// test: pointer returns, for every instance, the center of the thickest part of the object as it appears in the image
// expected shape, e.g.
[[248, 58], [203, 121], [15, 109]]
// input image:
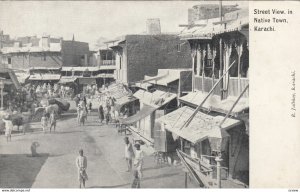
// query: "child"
[[44, 122], [136, 180]]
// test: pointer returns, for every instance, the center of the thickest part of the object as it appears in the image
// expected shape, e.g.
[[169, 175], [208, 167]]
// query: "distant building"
[[103, 56], [84, 76], [11, 84], [5, 40], [49, 52], [153, 26], [208, 11], [140, 55]]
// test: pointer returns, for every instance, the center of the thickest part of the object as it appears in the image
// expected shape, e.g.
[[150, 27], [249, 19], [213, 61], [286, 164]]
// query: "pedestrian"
[[138, 160], [90, 107], [52, 121], [107, 117], [82, 116], [84, 99], [85, 113], [129, 154], [8, 127], [44, 122], [136, 180], [76, 99], [81, 163], [79, 109], [101, 113]]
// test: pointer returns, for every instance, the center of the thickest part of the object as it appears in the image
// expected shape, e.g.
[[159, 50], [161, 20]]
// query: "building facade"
[[49, 52], [140, 55], [212, 125]]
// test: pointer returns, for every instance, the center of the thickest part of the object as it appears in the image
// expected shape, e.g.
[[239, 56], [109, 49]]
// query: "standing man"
[[81, 163], [52, 121], [138, 160], [129, 154]]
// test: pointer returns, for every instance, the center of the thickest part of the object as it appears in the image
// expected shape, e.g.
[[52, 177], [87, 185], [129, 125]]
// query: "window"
[[9, 60], [45, 57]]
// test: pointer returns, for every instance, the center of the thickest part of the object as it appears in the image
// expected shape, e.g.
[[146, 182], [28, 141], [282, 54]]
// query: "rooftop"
[[233, 21]]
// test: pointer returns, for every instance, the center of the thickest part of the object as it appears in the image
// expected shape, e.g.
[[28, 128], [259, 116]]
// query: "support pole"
[[1, 98], [185, 180], [221, 67], [218, 160], [185, 173]]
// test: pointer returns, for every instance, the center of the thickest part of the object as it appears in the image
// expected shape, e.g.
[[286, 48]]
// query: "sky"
[[90, 20]]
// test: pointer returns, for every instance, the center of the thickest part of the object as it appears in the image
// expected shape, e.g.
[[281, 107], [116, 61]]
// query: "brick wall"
[[148, 53], [73, 52]]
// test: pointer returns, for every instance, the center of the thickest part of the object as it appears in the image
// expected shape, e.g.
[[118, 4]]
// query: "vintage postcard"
[[149, 94]]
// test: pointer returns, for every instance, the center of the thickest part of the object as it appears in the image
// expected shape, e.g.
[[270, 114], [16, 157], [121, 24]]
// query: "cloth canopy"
[[202, 126], [44, 77], [65, 80], [144, 112], [87, 81], [155, 99], [215, 103], [122, 101]]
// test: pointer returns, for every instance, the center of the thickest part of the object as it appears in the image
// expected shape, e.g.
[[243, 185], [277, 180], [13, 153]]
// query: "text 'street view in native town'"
[[124, 94]]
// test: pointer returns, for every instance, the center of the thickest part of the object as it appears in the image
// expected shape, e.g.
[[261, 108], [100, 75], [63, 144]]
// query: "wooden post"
[[218, 160], [186, 180], [185, 173], [193, 71], [1, 98], [240, 51], [203, 52], [221, 67]]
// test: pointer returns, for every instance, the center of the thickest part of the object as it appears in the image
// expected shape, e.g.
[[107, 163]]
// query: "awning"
[[144, 112], [66, 79], [143, 85], [201, 127], [215, 103], [87, 81], [46, 77], [155, 99], [80, 69], [105, 75], [123, 100], [117, 91], [22, 77], [212, 27], [166, 76]]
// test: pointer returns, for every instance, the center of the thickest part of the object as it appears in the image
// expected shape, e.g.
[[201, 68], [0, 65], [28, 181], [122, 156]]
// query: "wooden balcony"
[[108, 62], [235, 85]]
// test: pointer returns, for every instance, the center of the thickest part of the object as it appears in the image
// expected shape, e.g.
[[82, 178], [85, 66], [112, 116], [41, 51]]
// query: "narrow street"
[[55, 167]]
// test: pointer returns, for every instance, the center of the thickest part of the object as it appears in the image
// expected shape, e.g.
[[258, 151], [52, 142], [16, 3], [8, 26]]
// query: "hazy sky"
[[92, 19]]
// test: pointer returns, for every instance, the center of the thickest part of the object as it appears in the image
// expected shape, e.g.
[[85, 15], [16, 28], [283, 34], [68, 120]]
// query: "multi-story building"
[[211, 128], [103, 56], [144, 54], [48, 53]]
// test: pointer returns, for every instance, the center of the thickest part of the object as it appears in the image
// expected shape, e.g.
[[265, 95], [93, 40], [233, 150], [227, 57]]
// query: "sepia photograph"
[[123, 94]]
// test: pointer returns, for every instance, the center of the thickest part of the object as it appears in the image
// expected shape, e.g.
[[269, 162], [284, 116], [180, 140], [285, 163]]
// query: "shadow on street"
[[20, 170]]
